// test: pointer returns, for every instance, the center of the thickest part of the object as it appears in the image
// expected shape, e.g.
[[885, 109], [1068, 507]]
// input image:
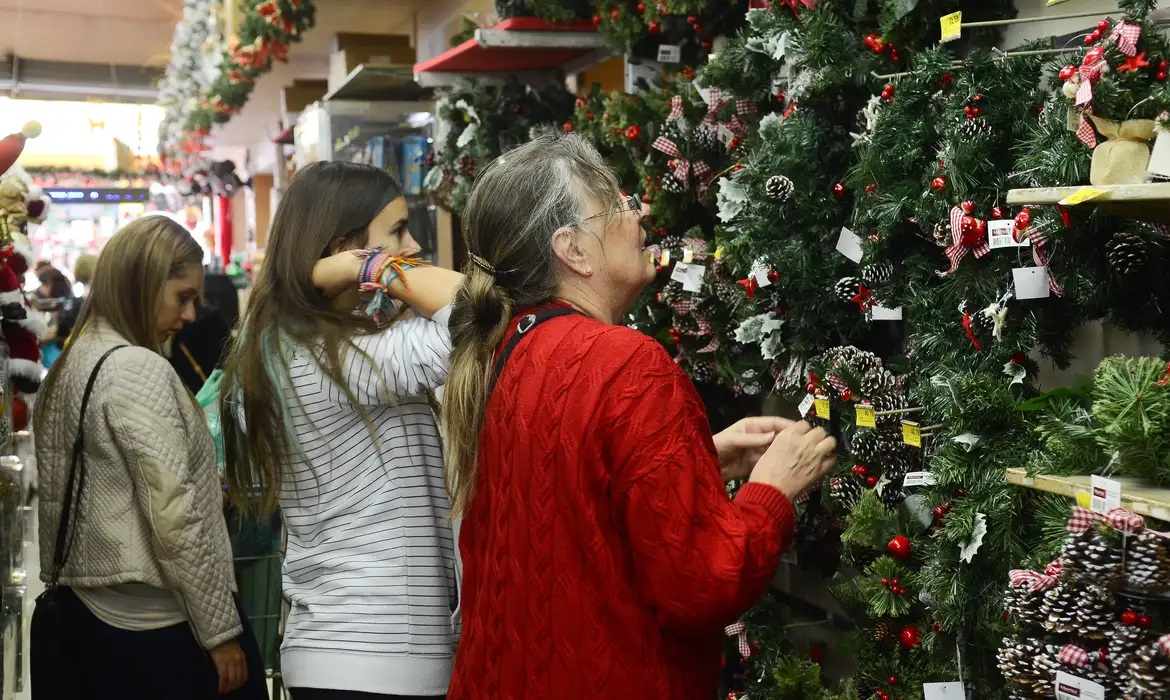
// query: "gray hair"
[[517, 204]]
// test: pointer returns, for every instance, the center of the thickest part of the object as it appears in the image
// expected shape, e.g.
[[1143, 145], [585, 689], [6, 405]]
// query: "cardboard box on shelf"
[[351, 50]]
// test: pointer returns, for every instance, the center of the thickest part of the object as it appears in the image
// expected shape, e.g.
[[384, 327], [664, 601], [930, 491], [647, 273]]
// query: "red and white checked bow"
[[739, 631], [1041, 257], [1092, 66], [698, 246], [1033, 581], [1126, 36], [957, 251], [715, 102], [680, 166], [837, 383], [676, 108], [1072, 655], [1119, 519], [1164, 645]]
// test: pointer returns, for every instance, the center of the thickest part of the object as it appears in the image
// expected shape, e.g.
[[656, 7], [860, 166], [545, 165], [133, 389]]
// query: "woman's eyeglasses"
[[629, 202]]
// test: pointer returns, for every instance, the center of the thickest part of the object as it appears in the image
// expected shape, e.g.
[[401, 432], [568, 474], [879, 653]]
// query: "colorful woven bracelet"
[[384, 270]]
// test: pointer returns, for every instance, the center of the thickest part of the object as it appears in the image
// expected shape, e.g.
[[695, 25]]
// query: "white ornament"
[[1069, 89], [731, 199]]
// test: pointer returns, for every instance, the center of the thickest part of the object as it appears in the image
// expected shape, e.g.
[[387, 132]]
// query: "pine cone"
[[942, 233], [1093, 555], [728, 293], [878, 273], [1126, 252], [1059, 608], [702, 372], [883, 629], [846, 288], [1124, 643], [705, 138], [1147, 567], [844, 490], [1149, 674], [672, 186], [877, 381], [778, 188]]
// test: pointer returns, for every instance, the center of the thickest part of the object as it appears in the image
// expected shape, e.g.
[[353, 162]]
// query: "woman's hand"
[[339, 273], [797, 459], [230, 665], [742, 445]]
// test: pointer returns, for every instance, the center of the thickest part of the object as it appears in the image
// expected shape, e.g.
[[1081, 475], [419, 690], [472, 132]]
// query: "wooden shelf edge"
[[1144, 500]]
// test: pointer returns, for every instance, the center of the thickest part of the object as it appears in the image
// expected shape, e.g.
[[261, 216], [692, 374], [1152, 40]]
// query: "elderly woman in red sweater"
[[601, 554]]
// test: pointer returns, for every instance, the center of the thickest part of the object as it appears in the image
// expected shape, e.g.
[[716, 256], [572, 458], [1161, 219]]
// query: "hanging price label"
[[688, 254], [865, 416], [911, 434], [806, 405], [1082, 195], [664, 259], [719, 253], [1106, 494], [822, 404], [952, 26]]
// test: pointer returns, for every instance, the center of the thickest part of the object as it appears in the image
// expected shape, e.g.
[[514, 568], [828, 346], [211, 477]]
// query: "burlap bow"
[[1124, 156]]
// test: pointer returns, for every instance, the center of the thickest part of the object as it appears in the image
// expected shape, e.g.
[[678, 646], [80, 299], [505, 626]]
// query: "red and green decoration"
[[266, 31], [639, 27]]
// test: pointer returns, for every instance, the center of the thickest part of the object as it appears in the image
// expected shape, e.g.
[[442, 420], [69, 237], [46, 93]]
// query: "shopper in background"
[[55, 292], [326, 411], [83, 277], [199, 349], [146, 589], [602, 556]]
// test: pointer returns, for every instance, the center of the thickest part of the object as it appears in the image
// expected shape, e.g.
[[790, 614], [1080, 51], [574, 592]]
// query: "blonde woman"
[[326, 412], [134, 549]]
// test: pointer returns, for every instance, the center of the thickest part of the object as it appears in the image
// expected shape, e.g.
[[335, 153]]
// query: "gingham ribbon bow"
[[682, 307], [837, 383], [1033, 581], [715, 102], [703, 330], [739, 631], [957, 251], [1164, 645], [698, 246], [680, 166], [1126, 36], [676, 108], [1119, 519], [1040, 256], [1092, 66], [1073, 655]]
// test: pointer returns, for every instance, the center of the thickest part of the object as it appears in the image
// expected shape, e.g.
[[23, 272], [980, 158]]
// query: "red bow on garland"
[[271, 13], [680, 166], [794, 5], [967, 233]]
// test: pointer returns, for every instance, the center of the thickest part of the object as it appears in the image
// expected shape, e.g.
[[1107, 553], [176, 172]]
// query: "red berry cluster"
[[1095, 35], [875, 43], [888, 92], [862, 471], [974, 107], [1131, 618], [895, 586]]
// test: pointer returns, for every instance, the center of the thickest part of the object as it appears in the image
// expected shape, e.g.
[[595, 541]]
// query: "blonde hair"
[[83, 268], [516, 205], [128, 283]]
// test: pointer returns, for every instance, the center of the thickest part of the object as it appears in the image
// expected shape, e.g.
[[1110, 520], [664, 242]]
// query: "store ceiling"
[[106, 49]]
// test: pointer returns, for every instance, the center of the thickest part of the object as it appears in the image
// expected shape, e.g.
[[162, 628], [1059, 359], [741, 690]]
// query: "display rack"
[[1143, 202], [375, 83], [1136, 496], [524, 47]]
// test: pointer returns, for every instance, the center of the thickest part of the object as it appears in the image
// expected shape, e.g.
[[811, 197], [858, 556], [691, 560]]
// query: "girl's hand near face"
[[339, 273]]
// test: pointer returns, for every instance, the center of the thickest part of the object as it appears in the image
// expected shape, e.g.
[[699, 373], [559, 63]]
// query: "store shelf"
[[378, 83], [523, 45], [1135, 496], [1144, 202]]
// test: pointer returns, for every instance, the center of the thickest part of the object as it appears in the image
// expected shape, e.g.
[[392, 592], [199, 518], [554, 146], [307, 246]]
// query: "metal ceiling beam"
[[59, 80]]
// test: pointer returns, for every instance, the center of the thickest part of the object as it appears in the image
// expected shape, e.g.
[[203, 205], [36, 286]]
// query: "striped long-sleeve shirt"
[[370, 569]]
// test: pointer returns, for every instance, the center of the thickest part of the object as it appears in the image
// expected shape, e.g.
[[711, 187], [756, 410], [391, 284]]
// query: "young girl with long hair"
[[326, 412], [133, 543]]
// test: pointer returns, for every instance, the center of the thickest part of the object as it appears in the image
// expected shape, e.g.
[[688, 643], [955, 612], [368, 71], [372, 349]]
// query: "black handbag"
[[51, 671]]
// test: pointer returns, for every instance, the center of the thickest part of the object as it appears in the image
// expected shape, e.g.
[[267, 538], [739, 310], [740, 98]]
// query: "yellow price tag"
[[1082, 195], [1084, 499], [719, 250], [664, 259], [952, 26], [688, 255], [911, 434], [865, 416], [822, 405]]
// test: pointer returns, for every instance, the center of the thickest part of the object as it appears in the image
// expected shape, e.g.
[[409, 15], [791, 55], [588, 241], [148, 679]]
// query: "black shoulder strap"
[[76, 479], [522, 329]]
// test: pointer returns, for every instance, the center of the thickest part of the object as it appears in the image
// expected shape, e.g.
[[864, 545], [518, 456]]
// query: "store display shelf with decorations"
[[1143, 201], [371, 83], [1142, 499], [522, 46]]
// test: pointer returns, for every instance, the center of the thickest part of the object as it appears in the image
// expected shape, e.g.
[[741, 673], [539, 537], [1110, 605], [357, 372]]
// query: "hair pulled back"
[[518, 202]]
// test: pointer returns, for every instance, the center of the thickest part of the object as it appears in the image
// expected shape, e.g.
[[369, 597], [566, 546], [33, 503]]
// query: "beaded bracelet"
[[377, 275]]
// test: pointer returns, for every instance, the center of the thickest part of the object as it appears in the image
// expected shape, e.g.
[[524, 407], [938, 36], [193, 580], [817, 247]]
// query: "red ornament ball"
[[910, 637], [1092, 38], [1129, 618], [597, 19], [633, 131], [1103, 26], [1144, 621], [846, 395], [886, 582], [960, 492], [1023, 219], [938, 184], [899, 547], [1067, 72], [967, 206], [940, 512], [568, 127], [893, 680], [896, 582], [641, 7], [773, 276], [1161, 75], [871, 481], [839, 190]]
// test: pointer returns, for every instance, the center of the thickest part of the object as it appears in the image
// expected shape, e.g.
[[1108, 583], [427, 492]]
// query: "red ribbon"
[[970, 331]]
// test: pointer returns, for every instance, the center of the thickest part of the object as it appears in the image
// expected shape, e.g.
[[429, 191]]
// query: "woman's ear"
[[569, 251], [337, 245]]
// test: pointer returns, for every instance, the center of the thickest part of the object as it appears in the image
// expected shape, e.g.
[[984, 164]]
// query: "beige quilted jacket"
[[152, 508]]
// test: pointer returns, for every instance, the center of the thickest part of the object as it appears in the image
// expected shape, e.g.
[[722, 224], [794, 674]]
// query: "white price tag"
[[849, 245], [805, 405], [690, 276], [1160, 157], [881, 313], [918, 479], [1000, 234], [1106, 494], [943, 691], [1031, 282], [688, 254], [761, 275], [1070, 687], [669, 53]]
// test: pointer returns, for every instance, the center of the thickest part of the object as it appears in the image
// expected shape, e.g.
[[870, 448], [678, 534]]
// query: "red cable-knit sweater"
[[602, 557]]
